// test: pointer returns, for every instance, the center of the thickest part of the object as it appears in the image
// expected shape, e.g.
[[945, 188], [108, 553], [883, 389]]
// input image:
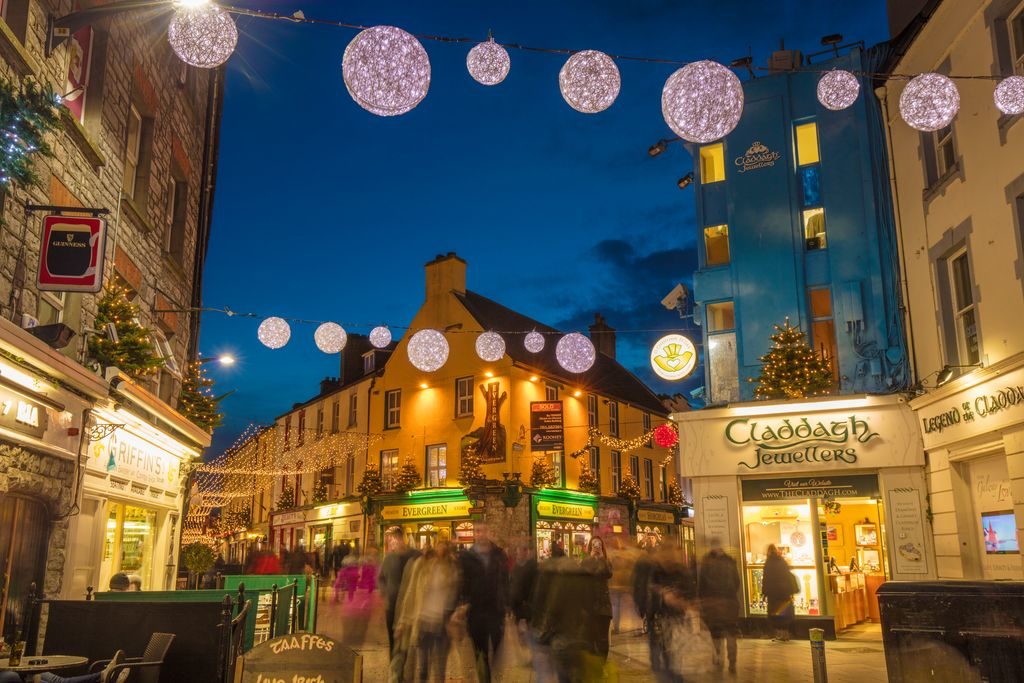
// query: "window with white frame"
[[591, 410], [353, 409], [647, 429], [463, 396], [613, 418], [945, 152], [319, 421], [634, 467], [392, 409], [335, 417], [437, 465], [132, 150], [595, 464], [164, 351], [558, 465], [648, 479], [389, 468], [964, 314], [350, 475], [177, 211], [1016, 25], [368, 362], [51, 307], [301, 435], [550, 392], [287, 432], [616, 471], [722, 363]]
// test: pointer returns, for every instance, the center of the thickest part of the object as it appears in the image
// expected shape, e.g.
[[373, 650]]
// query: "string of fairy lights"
[[387, 72]]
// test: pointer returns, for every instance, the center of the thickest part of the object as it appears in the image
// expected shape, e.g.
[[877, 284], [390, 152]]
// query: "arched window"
[[23, 532]]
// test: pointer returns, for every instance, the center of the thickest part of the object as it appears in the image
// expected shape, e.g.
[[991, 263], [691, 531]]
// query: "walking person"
[[621, 584], [522, 586], [597, 570], [779, 586], [425, 606], [641, 586], [671, 588], [718, 588], [390, 579], [560, 619], [485, 589]]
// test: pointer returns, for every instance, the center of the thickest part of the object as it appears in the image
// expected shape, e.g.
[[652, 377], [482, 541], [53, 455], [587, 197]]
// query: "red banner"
[[80, 51]]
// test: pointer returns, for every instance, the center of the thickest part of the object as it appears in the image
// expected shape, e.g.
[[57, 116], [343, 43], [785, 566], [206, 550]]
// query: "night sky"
[[325, 211]]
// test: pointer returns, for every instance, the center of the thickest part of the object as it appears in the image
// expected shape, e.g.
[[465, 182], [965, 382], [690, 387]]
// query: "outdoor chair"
[[144, 669]]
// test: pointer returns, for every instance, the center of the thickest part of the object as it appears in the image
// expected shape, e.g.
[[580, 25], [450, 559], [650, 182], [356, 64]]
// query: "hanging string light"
[[702, 102], [380, 337], [589, 81], [204, 36], [428, 350], [488, 63], [534, 342], [386, 70], [838, 89], [490, 346], [929, 102], [575, 353], [1009, 95], [274, 332], [330, 337]]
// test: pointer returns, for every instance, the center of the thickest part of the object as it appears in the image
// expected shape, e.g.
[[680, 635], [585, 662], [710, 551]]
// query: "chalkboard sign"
[[301, 658]]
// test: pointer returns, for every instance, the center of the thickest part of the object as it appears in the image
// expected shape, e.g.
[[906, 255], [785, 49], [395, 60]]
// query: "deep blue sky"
[[326, 211]]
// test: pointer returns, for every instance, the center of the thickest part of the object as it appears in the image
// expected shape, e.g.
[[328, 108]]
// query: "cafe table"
[[30, 667]]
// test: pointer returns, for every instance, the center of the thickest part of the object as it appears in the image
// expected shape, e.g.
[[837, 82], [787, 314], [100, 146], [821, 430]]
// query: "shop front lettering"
[[757, 156], [564, 510], [806, 455], [982, 406], [790, 433], [425, 510]]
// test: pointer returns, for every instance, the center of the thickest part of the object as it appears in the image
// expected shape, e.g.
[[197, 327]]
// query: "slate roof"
[[606, 377]]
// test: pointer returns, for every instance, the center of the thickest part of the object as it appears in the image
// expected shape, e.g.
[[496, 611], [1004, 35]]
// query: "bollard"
[[818, 655]]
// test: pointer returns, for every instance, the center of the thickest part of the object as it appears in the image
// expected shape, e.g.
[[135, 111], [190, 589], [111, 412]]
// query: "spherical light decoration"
[[575, 352], [490, 346], [380, 337], [589, 81], [203, 36], [702, 101], [386, 70], [488, 63], [1009, 95], [428, 350], [274, 332], [666, 436], [838, 89], [534, 342], [929, 102], [330, 337]]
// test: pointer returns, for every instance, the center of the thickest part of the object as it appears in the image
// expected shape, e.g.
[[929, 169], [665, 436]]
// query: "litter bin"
[[953, 631]]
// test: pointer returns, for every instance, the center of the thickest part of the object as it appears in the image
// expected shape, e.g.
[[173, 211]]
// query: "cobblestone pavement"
[[855, 657]]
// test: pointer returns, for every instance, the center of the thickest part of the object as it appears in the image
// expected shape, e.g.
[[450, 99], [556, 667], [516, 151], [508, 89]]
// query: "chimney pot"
[[603, 336]]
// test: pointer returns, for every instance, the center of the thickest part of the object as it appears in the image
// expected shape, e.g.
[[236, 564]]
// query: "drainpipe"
[[369, 404]]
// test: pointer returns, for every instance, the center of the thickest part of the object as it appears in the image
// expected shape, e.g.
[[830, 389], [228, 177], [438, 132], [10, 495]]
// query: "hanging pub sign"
[[546, 432], [71, 254]]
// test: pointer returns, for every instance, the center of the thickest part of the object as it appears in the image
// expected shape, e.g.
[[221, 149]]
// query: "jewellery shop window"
[[790, 529]]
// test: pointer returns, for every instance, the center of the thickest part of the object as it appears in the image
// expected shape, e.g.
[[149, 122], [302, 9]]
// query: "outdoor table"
[[44, 663]]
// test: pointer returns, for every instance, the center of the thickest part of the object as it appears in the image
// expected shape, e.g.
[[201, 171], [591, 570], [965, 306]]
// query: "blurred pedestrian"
[[485, 589], [561, 628], [360, 591], [425, 605], [346, 581], [597, 570], [778, 587], [641, 585], [392, 568], [621, 583], [718, 587], [671, 588]]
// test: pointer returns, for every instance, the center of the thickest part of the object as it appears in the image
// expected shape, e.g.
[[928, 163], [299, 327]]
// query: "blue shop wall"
[[770, 269]]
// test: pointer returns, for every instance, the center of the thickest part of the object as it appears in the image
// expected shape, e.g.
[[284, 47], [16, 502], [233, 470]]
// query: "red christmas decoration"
[[666, 436]]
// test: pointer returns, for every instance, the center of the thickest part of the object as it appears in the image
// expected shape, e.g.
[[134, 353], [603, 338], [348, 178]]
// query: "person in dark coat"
[[597, 570], [561, 620], [392, 567], [778, 586], [671, 588], [718, 588], [641, 585], [485, 589]]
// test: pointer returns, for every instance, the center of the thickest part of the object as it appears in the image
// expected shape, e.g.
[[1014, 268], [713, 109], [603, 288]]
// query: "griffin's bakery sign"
[[757, 156], [828, 441], [987, 406]]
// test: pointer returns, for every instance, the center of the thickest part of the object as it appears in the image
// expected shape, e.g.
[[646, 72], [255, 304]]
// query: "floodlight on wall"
[[946, 373], [685, 181], [660, 146], [744, 63]]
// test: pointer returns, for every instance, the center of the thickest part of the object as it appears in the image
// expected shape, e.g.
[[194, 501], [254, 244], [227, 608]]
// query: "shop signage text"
[[757, 156], [546, 508], [789, 488], [800, 440], [452, 508], [289, 518], [71, 255], [299, 658], [656, 516], [337, 510], [980, 407], [21, 414], [126, 455], [546, 428]]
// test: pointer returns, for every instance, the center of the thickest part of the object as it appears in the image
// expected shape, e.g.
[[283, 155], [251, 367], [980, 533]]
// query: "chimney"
[[446, 273], [352, 358], [328, 384], [603, 336]]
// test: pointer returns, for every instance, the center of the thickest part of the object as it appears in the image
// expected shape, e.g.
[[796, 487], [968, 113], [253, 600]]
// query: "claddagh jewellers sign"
[[815, 442]]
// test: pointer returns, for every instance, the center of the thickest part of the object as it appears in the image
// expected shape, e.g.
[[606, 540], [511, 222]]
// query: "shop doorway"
[[572, 536], [128, 544], [23, 532]]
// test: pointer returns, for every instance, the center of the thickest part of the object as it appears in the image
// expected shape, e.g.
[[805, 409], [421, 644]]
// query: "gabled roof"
[[606, 377]]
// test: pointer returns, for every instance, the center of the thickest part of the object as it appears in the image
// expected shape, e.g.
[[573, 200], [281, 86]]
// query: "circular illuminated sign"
[[673, 357]]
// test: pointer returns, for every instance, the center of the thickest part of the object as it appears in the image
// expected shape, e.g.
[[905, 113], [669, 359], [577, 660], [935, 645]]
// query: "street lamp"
[[223, 359], [946, 373]]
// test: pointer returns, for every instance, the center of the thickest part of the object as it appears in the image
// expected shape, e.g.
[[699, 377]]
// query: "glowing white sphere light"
[[380, 337], [428, 350], [534, 342], [702, 102], [575, 352], [589, 81], [838, 89], [274, 332], [203, 35], [929, 102], [386, 70], [1009, 95], [330, 337], [488, 63], [490, 346]]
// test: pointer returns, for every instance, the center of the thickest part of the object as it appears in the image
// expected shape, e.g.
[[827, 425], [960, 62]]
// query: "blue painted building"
[[794, 219]]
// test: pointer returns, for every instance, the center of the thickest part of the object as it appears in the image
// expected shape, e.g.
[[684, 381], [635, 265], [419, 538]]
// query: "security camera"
[[676, 299]]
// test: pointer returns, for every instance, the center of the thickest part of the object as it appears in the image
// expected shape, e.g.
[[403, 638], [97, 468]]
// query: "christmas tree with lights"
[[470, 470], [319, 491], [630, 489], [28, 113], [287, 499], [542, 474], [588, 482], [371, 484], [133, 353], [409, 477], [675, 494], [791, 368], [196, 401]]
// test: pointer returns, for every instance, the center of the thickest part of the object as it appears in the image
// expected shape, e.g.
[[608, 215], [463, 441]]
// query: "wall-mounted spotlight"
[[685, 181]]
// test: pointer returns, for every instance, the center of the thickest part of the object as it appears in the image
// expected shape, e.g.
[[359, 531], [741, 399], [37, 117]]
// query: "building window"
[[301, 436], [720, 317], [634, 467], [808, 161], [353, 409], [823, 328], [335, 417], [319, 422], [51, 307], [712, 163], [350, 475], [648, 479], [647, 429], [716, 245], [368, 362], [437, 465], [165, 386], [1017, 41], [392, 409], [613, 418], [15, 14], [807, 144], [550, 392], [163, 350], [663, 479], [138, 142], [287, 432], [963, 309], [616, 471], [595, 465], [814, 228], [591, 410], [558, 465], [722, 365], [945, 153], [389, 468], [178, 210], [463, 396]]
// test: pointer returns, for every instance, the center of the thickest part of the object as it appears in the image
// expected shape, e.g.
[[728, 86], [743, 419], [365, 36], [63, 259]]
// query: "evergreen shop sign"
[[804, 440]]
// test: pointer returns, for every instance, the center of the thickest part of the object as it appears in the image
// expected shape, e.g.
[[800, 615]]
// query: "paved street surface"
[[856, 657]]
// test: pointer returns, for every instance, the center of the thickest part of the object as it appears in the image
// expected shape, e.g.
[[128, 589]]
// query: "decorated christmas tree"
[[629, 489], [409, 477], [287, 499], [133, 353], [371, 484], [791, 368], [588, 479], [319, 491], [470, 471], [28, 113], [542, 474], [196, 401], [675, 494]]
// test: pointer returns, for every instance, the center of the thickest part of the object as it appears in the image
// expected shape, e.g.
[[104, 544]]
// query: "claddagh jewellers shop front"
[[836, 485]]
